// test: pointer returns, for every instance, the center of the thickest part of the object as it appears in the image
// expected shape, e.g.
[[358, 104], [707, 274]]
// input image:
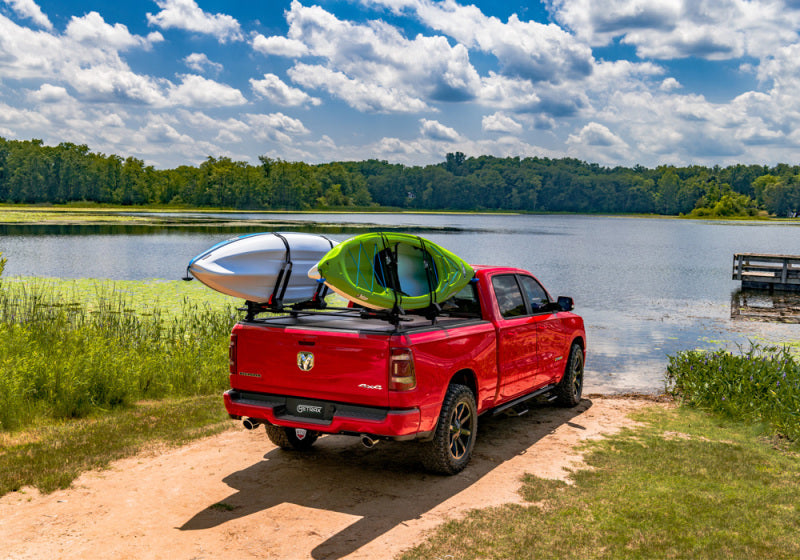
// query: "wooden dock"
[[767, 272], [752, 305]]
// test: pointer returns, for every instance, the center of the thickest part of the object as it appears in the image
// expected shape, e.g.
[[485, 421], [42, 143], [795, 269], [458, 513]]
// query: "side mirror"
[[566, 303]]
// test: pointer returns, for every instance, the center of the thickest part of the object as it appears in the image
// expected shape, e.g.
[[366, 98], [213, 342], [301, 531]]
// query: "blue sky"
[[616, 82]]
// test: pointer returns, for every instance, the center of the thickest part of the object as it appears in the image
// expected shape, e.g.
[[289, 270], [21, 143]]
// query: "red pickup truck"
[[498, 343]]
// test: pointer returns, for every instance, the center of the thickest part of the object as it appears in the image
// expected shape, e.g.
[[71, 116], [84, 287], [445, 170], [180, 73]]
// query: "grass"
[[685, 485], [69, 352], [93, 371], [718, 477], [65, 214], [761, 384]]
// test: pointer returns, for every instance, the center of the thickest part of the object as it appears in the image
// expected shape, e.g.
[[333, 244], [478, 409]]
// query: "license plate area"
[[305, 408]]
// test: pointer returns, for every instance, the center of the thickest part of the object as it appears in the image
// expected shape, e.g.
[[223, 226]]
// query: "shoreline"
[[88, 215]]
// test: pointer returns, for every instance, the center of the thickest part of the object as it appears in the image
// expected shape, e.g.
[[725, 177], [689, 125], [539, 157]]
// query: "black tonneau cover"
[[352, 321]]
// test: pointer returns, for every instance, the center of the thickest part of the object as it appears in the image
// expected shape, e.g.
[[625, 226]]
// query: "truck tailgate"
[[334, 365]]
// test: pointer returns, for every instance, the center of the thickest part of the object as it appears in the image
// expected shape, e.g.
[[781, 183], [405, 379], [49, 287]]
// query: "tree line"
[[31, 172]]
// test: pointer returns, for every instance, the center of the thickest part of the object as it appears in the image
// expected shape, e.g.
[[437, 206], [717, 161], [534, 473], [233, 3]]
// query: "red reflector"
[[232, 354]]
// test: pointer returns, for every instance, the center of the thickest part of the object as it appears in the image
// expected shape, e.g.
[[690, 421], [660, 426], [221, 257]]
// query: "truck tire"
[[454, 438], [288, 438], [569, 389]]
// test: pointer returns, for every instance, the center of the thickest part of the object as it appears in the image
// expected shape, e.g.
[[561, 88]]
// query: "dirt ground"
[[236, 496]]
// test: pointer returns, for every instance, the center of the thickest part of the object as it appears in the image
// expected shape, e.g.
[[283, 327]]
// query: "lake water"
[[647, 288]]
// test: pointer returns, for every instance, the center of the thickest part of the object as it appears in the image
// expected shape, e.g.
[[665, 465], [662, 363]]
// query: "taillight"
[[401, 370], [232, 354]]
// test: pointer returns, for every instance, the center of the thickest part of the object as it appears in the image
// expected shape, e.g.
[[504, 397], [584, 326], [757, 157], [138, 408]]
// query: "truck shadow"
[[383, 487]]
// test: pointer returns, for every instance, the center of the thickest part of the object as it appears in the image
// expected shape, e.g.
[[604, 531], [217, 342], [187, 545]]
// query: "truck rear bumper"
[[323, 416]]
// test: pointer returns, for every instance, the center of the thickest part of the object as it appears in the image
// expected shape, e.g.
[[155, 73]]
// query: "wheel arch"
[[580, 342], [467, 378]]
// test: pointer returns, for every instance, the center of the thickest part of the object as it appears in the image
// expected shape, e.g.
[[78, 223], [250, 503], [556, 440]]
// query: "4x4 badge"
[[305, 360]]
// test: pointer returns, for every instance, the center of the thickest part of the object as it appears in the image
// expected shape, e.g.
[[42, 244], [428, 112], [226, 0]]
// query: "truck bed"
[[353, 322]]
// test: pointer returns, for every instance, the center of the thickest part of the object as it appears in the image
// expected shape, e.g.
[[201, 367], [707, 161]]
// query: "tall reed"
[[761, 384], [67, 355]]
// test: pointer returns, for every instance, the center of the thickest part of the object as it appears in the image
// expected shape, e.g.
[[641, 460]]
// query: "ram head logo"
[[305, 360]]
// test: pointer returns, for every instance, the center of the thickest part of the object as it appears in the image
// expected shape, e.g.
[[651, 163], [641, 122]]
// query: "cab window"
[[509, 297], [535, 292]]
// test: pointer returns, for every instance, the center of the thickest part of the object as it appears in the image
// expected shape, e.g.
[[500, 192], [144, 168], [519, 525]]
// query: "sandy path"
[[340, 500]]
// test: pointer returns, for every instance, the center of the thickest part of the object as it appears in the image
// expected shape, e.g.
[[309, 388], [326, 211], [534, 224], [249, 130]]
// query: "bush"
[[759, 385]]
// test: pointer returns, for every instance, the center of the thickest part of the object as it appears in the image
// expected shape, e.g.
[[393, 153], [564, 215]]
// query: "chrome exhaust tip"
[[368, 441], [251, 423]]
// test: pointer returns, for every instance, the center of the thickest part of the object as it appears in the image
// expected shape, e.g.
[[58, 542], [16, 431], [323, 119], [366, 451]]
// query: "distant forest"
[[31, 172]]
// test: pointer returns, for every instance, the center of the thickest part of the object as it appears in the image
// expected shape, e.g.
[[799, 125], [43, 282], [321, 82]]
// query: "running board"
[[524, 398]]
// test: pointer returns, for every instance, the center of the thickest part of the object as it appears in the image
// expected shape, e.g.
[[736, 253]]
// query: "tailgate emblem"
[[305, 360]]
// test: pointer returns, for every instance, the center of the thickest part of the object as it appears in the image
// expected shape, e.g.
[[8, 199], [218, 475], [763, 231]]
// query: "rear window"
[[509, 298], [463, 304]]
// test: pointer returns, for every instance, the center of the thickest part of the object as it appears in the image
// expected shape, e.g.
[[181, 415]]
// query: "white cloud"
[[229, 131], [523, 96], [395, 148], [200, 63], [595, 142], [275, 90], [30, 10], [197, 91], [435, 130], [665, 29], [227, 137], [363, 96], [93, 30], [48, 93], [669, 84], [25, 53], [594, 134], [526, 49], [279, 46], [187, 15], [86, 57], [21, 118], [375, 67], [521, 104], [500, 122], [275, 127], [660, 127], [160, 132], [199, 120], [110, 120], [116, 83]]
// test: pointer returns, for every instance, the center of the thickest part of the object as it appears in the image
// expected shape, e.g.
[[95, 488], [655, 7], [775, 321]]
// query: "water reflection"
[[760, 305]]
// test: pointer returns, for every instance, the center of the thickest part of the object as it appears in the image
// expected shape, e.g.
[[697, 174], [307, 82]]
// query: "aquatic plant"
[[68, 354], [760, 384]]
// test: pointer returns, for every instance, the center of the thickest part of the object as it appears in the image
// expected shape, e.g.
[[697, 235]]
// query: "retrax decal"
[[302, 408]]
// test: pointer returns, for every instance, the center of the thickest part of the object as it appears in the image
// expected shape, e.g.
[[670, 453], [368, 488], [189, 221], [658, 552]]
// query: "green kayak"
[[387, 270]]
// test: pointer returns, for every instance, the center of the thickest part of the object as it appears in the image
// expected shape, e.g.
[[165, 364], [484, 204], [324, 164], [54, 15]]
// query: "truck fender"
[[464, 377]]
